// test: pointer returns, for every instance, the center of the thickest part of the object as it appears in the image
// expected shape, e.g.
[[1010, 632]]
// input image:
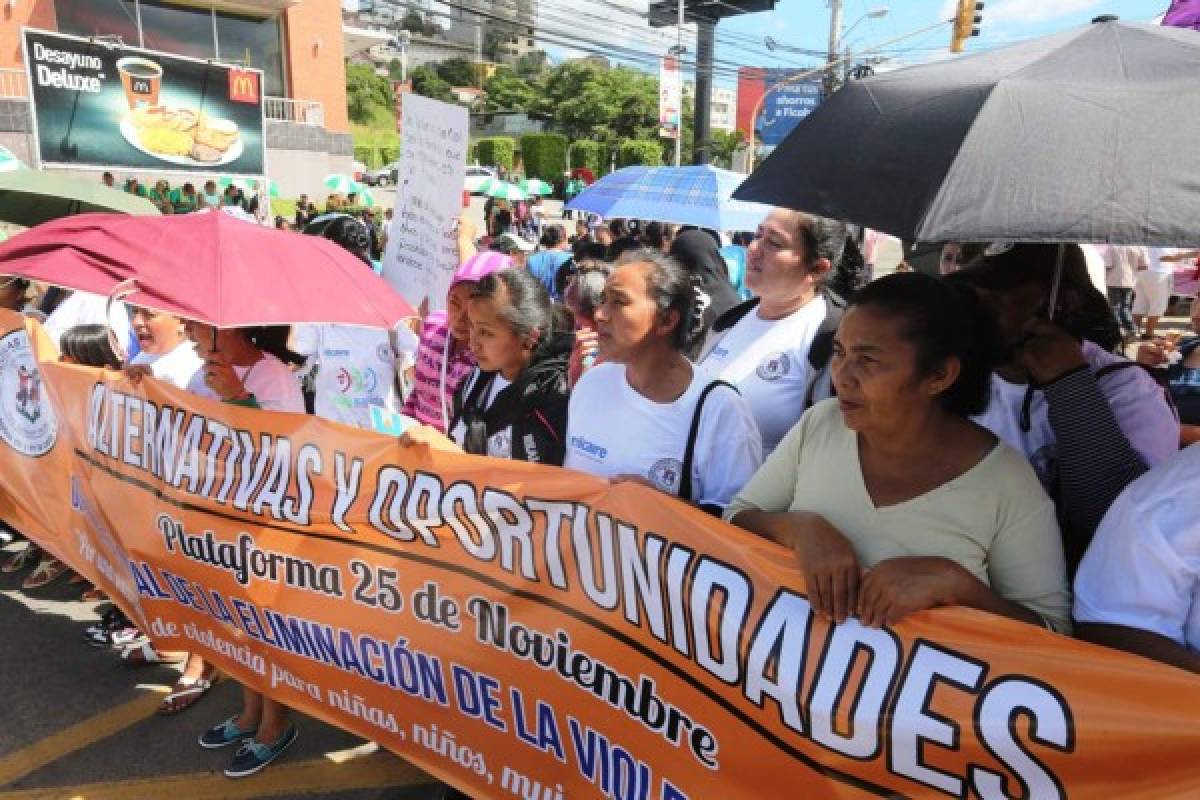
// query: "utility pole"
[[679, 72], [706, 40], [835, 45]]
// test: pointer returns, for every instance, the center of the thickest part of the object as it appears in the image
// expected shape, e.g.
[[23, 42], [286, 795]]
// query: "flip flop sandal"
[[185, 694], [21, 559], [143, 653], [46, 572]]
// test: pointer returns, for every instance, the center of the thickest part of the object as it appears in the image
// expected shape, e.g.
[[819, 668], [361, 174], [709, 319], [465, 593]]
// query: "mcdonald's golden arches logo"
[[243, 86]]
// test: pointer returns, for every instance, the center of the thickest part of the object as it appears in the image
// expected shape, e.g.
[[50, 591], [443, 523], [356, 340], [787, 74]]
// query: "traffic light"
[[966, 23]]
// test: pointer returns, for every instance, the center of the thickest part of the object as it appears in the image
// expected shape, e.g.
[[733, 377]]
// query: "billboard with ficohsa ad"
[[97, 105]]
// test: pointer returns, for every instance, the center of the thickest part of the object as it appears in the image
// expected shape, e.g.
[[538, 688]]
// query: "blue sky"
[[805, 24]]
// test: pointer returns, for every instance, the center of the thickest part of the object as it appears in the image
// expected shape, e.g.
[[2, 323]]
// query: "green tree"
[[724, 145], [426, 83], [457, 72], [507, 92], [413, 21], [589, 101], [396, 69], [532, 66], [366, 92]]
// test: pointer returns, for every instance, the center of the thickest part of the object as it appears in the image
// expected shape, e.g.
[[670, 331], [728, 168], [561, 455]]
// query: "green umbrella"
[[240, 183], [363, 195], [502, 190], [535, 186], [9, 162], [273, 189], [340, 184], [30, 197]]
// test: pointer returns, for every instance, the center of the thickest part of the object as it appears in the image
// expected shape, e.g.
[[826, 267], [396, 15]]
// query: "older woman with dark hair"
[[893, 500], [774, 347], [1090, 421], [647, 414]]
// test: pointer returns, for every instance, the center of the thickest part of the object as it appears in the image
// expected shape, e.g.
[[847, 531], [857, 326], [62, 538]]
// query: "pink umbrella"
[[206, 267]]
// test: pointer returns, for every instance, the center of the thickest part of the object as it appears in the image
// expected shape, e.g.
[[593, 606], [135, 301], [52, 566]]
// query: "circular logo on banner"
[[666, 474], [27, 422], [774, 367], [384, 353]]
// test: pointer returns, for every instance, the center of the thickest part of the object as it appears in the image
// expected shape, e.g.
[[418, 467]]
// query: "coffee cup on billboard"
[[142, 79]]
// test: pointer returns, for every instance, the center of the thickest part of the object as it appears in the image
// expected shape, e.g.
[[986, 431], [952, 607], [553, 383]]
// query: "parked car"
[[384, 176], [476, 175], [358, 169]]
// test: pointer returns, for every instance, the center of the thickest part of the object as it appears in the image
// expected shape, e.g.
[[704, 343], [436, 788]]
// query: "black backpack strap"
[[820, 353], [689, 451]]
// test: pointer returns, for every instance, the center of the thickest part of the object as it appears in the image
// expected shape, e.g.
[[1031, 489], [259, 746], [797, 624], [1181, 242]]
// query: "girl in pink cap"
[[443, 359]]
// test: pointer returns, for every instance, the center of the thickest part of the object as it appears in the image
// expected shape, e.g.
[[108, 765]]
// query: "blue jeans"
[[1121, 300]]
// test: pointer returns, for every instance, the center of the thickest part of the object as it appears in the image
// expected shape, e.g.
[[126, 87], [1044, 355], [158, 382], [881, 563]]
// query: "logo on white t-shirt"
[[666, 473], [774, 367], [587, 448], [27, 421]]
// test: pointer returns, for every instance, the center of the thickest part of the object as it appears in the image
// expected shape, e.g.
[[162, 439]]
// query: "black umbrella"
[[1082, 136]]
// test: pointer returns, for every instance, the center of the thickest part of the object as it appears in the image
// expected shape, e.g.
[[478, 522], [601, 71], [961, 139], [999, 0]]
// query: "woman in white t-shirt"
[[762, 346], [631, 418], [247, 366], [164, 349]]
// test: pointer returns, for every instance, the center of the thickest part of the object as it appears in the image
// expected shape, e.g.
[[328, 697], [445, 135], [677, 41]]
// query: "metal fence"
[[302, 112], [13, 84]]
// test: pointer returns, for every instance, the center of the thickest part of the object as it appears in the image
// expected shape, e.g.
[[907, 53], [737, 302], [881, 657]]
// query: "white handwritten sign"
[[422, 251]]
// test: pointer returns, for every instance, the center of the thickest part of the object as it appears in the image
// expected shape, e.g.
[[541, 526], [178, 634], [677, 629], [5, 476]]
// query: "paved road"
[[78, 724]]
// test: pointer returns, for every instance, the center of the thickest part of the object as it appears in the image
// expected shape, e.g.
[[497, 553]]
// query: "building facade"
[[300, 45], [722, 109]]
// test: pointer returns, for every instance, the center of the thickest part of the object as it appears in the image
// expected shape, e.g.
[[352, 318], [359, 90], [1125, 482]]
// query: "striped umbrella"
[[535, 186], [9, 162], [502, 190], [340, 184], [240, 183], [363, 195]]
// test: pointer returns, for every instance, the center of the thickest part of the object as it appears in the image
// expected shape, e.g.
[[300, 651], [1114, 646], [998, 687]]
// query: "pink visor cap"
[[479, 266]]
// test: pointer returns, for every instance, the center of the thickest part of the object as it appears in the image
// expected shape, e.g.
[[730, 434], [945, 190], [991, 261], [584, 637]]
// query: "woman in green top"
[[893, 500]]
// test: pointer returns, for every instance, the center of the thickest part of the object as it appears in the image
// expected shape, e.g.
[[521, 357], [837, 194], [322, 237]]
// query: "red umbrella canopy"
[[207, 267]]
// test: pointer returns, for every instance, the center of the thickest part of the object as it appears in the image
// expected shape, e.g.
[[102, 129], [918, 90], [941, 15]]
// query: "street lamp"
[[874, 13]]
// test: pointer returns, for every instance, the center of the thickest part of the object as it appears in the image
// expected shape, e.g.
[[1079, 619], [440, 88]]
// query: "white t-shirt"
[[177, 367], [82, 308], [356, 370], [499, 444], [1142, 569], [1155, 255], [613, 430], [272, 383], [768, 361]]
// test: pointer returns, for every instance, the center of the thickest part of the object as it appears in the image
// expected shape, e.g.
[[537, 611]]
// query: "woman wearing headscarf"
[[700, 255]]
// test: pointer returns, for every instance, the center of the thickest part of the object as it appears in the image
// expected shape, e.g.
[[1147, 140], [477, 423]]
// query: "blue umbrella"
[[685, 195]]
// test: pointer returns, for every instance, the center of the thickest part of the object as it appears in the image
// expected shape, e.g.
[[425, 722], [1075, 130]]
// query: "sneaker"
[[224, 734], [253, 755], [123, 637]]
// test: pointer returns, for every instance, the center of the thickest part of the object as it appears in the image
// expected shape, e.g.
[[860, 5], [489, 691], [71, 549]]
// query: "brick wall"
[[318, 72], [35, 14]]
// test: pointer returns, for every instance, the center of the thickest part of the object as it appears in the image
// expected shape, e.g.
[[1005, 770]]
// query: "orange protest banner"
[[529, 632]]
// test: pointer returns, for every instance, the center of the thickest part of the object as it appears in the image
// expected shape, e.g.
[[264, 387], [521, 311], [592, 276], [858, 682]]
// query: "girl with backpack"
[[514, 403]]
